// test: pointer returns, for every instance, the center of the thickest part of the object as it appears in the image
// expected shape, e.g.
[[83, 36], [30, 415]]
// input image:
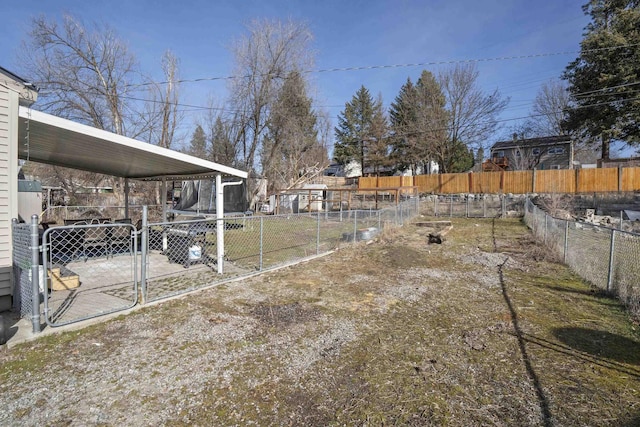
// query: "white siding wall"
[[8, 187]]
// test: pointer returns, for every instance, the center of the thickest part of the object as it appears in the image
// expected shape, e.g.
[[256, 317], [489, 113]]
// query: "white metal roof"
[[57, 141]]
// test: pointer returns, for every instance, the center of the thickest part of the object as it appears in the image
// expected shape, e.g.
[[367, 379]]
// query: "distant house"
[[551, 152], [349, 170]]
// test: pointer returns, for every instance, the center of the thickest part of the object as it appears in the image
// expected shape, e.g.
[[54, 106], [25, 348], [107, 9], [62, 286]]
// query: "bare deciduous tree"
[[86, 75], [549, 109], [472, 113], [163, 107], [264, 58]]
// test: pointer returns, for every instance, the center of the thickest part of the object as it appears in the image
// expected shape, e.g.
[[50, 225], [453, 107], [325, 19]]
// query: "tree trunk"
[[606, 142]]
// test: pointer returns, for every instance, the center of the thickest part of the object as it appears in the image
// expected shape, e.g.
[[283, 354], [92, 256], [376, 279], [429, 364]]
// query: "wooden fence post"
[[470, 189], [533, 181], [619, 179]]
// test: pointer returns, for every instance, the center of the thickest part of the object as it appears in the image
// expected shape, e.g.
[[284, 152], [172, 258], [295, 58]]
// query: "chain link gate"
[[91, 270]]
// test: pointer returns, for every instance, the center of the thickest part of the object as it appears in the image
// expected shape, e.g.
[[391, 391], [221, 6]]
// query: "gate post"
[[143, 255], [35, 275]]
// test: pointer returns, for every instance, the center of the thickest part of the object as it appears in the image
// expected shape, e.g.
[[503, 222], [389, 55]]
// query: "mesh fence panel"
[[588, 252], [285, 238], [555, 234], [21, 234], [58, 214], [626, 269], [180, 256], [471, 206], [91, 271], [605, 257]]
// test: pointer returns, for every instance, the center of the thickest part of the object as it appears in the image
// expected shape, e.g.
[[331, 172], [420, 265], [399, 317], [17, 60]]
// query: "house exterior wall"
[[9, 101], [548, 157]]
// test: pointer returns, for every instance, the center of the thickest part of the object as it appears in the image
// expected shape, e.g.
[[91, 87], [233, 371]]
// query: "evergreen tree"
[[198, 144], [604, 78], [403, 118], [418, 119], [291, 149], [459, 158], [377, 147], [222, 149], [354, 128]]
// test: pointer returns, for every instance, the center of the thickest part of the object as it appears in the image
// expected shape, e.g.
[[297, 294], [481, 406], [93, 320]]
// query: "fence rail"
[[516, 182], [605, 257]]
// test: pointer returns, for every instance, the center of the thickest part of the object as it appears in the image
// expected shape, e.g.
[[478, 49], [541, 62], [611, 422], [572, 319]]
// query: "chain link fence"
[[181, 256], [102, 266], [60, 214], [474, 205], [21, 234], [605, 257]]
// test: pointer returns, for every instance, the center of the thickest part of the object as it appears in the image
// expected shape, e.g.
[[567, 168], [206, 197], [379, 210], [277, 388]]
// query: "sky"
[[544, 36]]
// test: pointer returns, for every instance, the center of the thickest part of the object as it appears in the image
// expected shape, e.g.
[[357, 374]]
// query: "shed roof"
[[57, 141]]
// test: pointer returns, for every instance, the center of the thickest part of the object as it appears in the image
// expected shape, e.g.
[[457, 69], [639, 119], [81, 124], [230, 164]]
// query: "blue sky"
[[346, 34]]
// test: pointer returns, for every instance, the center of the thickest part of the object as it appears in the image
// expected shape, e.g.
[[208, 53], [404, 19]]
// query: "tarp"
[[200, 196]]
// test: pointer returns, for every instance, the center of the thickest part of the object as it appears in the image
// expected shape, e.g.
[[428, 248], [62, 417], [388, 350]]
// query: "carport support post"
[[126, 197], [35, 275], [219, 223], [163, 198], [220, 219]]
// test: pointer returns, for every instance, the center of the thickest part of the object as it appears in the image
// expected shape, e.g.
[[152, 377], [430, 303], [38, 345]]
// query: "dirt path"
[[484, 329]]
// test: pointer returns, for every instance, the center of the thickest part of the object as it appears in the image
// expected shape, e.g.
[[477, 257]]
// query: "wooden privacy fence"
[[517, 182]]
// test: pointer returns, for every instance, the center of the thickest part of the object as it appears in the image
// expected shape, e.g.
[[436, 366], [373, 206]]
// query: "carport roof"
[[57, 141]]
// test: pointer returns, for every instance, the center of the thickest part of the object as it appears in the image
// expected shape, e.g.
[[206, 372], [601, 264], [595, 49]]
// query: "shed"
[[310, 197]]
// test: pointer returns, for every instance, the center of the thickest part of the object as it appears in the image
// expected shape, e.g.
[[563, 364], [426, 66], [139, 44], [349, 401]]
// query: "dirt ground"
[[483, 329]]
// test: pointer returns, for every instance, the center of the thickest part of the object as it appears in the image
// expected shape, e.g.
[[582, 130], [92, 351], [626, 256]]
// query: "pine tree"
[[354, 129], [291, 149], [377, 147], [198, 144], [222, 149], [604, 78], [418, 119]]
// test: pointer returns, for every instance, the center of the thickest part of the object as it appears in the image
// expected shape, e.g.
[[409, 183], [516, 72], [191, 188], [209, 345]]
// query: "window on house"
[[556, 150], [518, 153], [535, 151], [499, 154]]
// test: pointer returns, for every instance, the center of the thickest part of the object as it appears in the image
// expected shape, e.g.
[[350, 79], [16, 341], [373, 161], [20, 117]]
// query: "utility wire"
[[390, 66]]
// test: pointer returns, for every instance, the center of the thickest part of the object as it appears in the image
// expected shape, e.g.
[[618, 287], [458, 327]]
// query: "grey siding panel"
[[6, 171]]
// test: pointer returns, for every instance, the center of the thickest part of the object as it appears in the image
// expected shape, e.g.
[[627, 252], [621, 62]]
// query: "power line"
[[391, 66], [607, 88]]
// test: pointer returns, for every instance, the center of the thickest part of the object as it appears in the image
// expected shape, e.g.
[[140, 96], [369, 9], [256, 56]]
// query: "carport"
[[56, 141]]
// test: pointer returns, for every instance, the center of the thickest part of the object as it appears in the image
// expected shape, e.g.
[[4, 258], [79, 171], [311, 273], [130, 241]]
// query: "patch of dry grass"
[[484, 329]]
